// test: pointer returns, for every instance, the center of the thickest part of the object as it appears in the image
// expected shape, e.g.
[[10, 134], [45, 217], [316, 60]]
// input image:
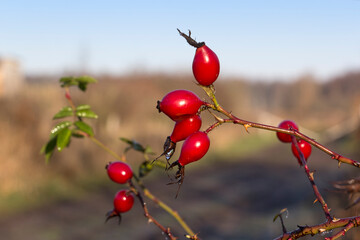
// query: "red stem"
[[310, 176], [293, 132]]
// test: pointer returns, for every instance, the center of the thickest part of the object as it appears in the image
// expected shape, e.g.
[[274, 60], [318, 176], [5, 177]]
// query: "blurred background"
[[296, 60]]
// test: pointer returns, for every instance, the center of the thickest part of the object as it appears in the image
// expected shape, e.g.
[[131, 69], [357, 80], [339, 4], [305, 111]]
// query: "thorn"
[[217, 118], [339, 163], [311, 174], [315, 201], [246, 126]]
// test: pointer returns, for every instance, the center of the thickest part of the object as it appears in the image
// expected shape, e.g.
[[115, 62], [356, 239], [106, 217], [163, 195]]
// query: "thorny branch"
[[247, 124], [332, 222], [310, 176], [345, 223]]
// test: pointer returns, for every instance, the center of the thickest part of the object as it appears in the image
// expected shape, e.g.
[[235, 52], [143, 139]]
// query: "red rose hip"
[[206, 66], [305, 148], [194, 148], [119, 172], [286, 124], [185, 128], [179, 104], [123, 201]]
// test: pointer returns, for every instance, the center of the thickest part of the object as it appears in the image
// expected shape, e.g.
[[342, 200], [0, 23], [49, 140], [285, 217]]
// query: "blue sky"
[[253, 38]]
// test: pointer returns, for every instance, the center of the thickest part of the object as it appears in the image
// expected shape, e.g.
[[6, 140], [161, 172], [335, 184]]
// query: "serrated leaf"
[[64, 112], [86, 113], [63, 139], [84, 127], [58, 127], [134, 145], [83, 107], [145, 168], [48, 148]]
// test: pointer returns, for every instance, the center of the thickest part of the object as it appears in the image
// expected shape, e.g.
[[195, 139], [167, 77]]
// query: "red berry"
[[194, 148], [305, 148], [179, 104], [123, 201], [119, 172], [185, 128], [206, 66], [286, 124]]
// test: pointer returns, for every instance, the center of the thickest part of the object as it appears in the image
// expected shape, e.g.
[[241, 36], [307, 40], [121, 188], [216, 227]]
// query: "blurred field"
[[233, 194]]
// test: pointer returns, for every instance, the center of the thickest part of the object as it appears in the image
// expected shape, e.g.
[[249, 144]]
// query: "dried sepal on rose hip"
[[119, 172], [179, 104], [304, 147], [193, 149], [288, 125], [123, 202], [206, 64]]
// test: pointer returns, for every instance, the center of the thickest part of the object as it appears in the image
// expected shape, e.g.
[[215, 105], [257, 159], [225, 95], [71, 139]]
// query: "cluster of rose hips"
[[184, 107], [304, 146], [120, 172]]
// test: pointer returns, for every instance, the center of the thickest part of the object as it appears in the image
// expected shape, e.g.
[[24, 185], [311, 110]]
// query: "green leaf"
[[82, 86], [48, 148], [81, 81], [145, 168], [86, 113], [68, 81], [58, 127], [83, 107], [133, 145], [63, 139], [84, 127], [86, 79], [77, 133], [64, 112]]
